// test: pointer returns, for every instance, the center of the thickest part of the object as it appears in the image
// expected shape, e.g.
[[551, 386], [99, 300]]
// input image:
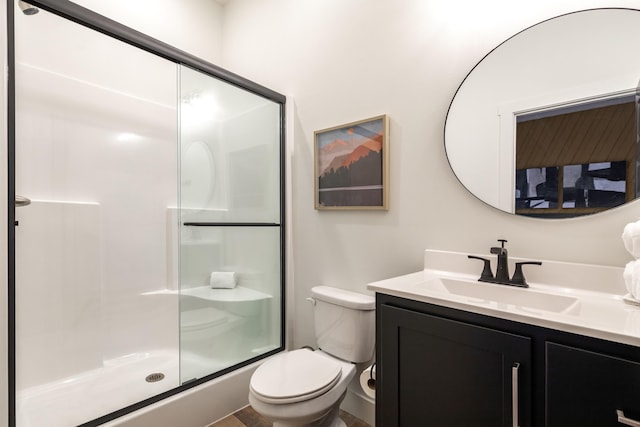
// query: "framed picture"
[[351, 168]]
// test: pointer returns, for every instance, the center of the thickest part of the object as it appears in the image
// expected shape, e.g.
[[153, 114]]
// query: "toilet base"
[[337, 423], [331, 419]]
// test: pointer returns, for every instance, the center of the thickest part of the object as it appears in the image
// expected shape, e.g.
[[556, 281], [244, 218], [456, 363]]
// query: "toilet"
[[305, 387]]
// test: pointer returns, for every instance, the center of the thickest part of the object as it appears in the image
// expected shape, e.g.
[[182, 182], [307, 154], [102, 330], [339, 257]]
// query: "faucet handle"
[[518, 276], [501, 250], [487, 274]]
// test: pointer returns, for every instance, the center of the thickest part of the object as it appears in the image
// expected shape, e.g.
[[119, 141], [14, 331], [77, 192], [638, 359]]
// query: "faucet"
[[502, 268]]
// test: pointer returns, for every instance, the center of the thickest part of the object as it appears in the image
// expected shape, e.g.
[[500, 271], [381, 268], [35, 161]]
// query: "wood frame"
[[351, 165]]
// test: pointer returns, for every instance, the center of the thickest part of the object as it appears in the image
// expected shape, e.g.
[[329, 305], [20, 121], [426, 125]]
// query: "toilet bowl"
[[305, 387], [301, 388]]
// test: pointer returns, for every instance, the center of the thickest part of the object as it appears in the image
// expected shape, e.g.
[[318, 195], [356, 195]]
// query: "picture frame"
[[351, 165]]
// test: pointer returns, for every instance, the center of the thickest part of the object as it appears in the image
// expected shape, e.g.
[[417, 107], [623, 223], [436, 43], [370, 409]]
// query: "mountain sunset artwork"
[[350, 165]]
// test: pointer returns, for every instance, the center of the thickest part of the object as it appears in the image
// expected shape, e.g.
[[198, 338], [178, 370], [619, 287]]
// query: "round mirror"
[[545, 124]]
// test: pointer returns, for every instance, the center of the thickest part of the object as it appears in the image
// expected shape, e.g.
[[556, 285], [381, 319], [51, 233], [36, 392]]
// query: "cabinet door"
[[440, 372], [587, 389]]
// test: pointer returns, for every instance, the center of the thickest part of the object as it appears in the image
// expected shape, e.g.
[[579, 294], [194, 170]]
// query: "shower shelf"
[[237, 294]]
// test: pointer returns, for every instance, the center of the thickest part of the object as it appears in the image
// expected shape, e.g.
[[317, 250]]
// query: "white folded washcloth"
[[631, 238], [631, 277], [223, 280]]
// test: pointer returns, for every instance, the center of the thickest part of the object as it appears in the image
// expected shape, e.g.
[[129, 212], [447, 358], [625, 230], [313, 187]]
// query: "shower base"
[[119, 383]]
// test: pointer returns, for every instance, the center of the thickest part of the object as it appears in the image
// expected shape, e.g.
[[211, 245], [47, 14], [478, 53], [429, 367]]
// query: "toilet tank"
[[344, 323]]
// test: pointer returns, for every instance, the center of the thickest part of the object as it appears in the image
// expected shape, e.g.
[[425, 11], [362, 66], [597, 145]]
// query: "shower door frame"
[[111, 28]]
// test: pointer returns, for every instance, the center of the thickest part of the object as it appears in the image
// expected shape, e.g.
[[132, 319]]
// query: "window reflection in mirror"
[[569, 60], [577, 159]]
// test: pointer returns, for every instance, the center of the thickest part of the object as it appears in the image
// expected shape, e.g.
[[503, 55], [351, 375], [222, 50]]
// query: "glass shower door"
[[231, 231], [149, 239], [96, 153]]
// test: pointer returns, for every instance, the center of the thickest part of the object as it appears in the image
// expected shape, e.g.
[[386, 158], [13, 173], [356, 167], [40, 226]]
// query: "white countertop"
[[585, 308]]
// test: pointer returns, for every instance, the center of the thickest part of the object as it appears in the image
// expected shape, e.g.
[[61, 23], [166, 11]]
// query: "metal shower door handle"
[[22, 201]]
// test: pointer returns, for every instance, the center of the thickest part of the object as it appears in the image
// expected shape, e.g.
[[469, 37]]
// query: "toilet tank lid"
[[344, 298]]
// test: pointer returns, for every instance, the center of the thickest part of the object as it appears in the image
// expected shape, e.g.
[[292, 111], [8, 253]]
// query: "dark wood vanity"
[[439, 366]]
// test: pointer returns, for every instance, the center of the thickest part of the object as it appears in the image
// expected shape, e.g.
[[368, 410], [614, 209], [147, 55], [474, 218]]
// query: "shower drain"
[[155, 377]]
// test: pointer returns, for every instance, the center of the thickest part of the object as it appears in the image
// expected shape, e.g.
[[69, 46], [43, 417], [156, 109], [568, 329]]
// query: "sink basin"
[[497, 295]]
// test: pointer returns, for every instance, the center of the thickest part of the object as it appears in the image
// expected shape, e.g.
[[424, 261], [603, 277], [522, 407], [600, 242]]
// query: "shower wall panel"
[[63, 293]]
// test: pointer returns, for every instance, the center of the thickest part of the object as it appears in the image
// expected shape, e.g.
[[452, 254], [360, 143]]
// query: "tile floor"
[[247, 417]]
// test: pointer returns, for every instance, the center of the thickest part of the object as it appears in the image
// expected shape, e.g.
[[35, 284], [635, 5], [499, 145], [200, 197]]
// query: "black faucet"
[[502, 269]]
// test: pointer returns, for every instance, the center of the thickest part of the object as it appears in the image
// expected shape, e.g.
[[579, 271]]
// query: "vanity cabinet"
[[449, 373], [439, 366], [586, 388]]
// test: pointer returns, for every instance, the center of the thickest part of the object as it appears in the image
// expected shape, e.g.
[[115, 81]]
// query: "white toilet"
[[305, 387]]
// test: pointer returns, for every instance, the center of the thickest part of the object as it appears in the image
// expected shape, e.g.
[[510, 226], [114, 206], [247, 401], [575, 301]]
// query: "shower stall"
[[146, 247]]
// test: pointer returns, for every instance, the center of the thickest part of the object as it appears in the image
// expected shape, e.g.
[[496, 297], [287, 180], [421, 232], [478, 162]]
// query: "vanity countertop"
[[579, 306]]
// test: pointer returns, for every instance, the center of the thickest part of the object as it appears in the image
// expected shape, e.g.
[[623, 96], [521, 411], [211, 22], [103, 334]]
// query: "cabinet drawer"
[[585, 388]]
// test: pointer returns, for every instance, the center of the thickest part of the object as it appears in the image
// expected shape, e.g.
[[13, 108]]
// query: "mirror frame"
[[505, 129]]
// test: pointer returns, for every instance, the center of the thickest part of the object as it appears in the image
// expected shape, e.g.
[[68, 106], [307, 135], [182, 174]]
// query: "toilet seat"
[[295, 376]]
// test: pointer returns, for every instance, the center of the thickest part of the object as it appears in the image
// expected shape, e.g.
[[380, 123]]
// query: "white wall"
[[194, 26], [348, 60]]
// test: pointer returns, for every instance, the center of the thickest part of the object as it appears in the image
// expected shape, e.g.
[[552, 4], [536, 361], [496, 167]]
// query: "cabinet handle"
[[626, 421], [514, 393]]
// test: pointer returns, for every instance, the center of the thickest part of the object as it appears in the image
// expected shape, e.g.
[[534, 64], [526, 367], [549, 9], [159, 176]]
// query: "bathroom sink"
[[501, 295]]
